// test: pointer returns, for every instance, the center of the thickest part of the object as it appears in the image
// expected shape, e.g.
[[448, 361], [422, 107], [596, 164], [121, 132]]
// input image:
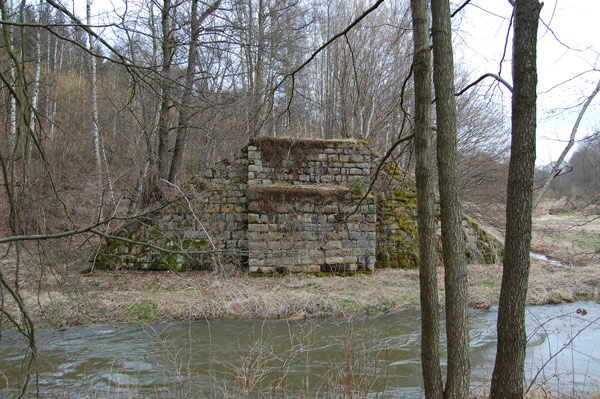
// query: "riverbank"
[[124, 296], [57, 296]]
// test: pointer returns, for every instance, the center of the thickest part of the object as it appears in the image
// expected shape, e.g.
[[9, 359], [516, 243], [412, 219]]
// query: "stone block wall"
[[307, 162], [397, 233], [207, 218], [310, 229], [223, 205], [286, 205], [302, 203]]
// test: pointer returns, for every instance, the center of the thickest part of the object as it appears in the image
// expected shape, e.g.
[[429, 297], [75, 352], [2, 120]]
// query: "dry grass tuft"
[[276, 150], [286, 192]]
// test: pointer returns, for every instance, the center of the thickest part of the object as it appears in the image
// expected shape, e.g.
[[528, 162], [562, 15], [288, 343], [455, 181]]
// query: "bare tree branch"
[[561, 158], [90, 228], [460, 8], [332, 39], [486, 75]]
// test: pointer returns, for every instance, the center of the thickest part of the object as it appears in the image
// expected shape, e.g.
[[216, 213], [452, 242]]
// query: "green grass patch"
[[144, 312], [314, 284], [383, 307], [584, 241], [413, 300], [588, 241], [562, 212], [350, 305]]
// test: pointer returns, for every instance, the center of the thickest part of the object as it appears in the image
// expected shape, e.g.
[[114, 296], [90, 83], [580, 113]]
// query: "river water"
[[369, 356]]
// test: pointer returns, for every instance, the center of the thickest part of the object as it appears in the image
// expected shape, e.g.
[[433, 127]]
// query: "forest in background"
[[161, 90], [578, 180]]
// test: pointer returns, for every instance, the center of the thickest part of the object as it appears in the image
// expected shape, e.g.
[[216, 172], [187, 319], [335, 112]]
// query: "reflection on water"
[[276, 358], [553, 262]]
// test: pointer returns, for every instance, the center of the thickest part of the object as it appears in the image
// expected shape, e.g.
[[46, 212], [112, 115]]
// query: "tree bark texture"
[[453, 247], [184, 113], [430, 323], [163, 119], [508, 375], [186, 99], [95, 128]]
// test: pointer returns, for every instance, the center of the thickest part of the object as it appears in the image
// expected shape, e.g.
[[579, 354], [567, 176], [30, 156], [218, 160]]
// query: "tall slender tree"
[[508, 375], [95, 127], [168, 50], [188, 89], [453, 247], [430, 323]]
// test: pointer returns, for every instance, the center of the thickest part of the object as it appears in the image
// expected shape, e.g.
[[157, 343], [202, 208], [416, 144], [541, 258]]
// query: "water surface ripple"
[[372, 356]]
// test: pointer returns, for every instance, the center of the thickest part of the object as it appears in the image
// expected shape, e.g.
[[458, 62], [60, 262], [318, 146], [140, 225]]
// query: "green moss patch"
[[397, 230]]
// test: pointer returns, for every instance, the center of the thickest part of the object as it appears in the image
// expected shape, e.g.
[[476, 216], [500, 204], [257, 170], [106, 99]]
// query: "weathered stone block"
[[263, 228], [254, 206], [334, 259], [334, 244]]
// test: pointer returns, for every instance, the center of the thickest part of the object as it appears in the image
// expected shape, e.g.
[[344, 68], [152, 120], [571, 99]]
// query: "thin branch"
[[354, 69], [380, 166], [486, 75], [460, 8], [68, 233], [86, 28], [332, 39], [510, 22], [564, 153], [54, 25]]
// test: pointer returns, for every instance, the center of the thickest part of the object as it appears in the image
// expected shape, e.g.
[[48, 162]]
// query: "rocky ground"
[[58, 296]]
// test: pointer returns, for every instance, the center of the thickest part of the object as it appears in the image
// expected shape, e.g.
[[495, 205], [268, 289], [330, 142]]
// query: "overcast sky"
[[570, 47], [568, 52]]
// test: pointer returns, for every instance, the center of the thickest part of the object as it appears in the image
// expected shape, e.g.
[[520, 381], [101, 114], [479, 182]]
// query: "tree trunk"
[[508, 375], [184, 113], [95, 129], [36, 85], [457, 384], [430, 323], [163, 119]]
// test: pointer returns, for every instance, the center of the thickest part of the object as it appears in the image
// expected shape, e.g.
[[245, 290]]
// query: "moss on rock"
[[397, 231]]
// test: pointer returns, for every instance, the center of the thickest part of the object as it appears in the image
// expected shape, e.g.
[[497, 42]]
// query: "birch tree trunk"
[[36, 84], [95, 128], [558, 165]]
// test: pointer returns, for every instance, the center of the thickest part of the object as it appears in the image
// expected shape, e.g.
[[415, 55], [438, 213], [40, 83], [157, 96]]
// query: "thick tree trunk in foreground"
[[507, 379], [430, 314], [457, 384]]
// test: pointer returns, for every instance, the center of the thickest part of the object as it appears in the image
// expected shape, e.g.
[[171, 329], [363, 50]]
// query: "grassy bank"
[[102, 297], [58, 296]]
